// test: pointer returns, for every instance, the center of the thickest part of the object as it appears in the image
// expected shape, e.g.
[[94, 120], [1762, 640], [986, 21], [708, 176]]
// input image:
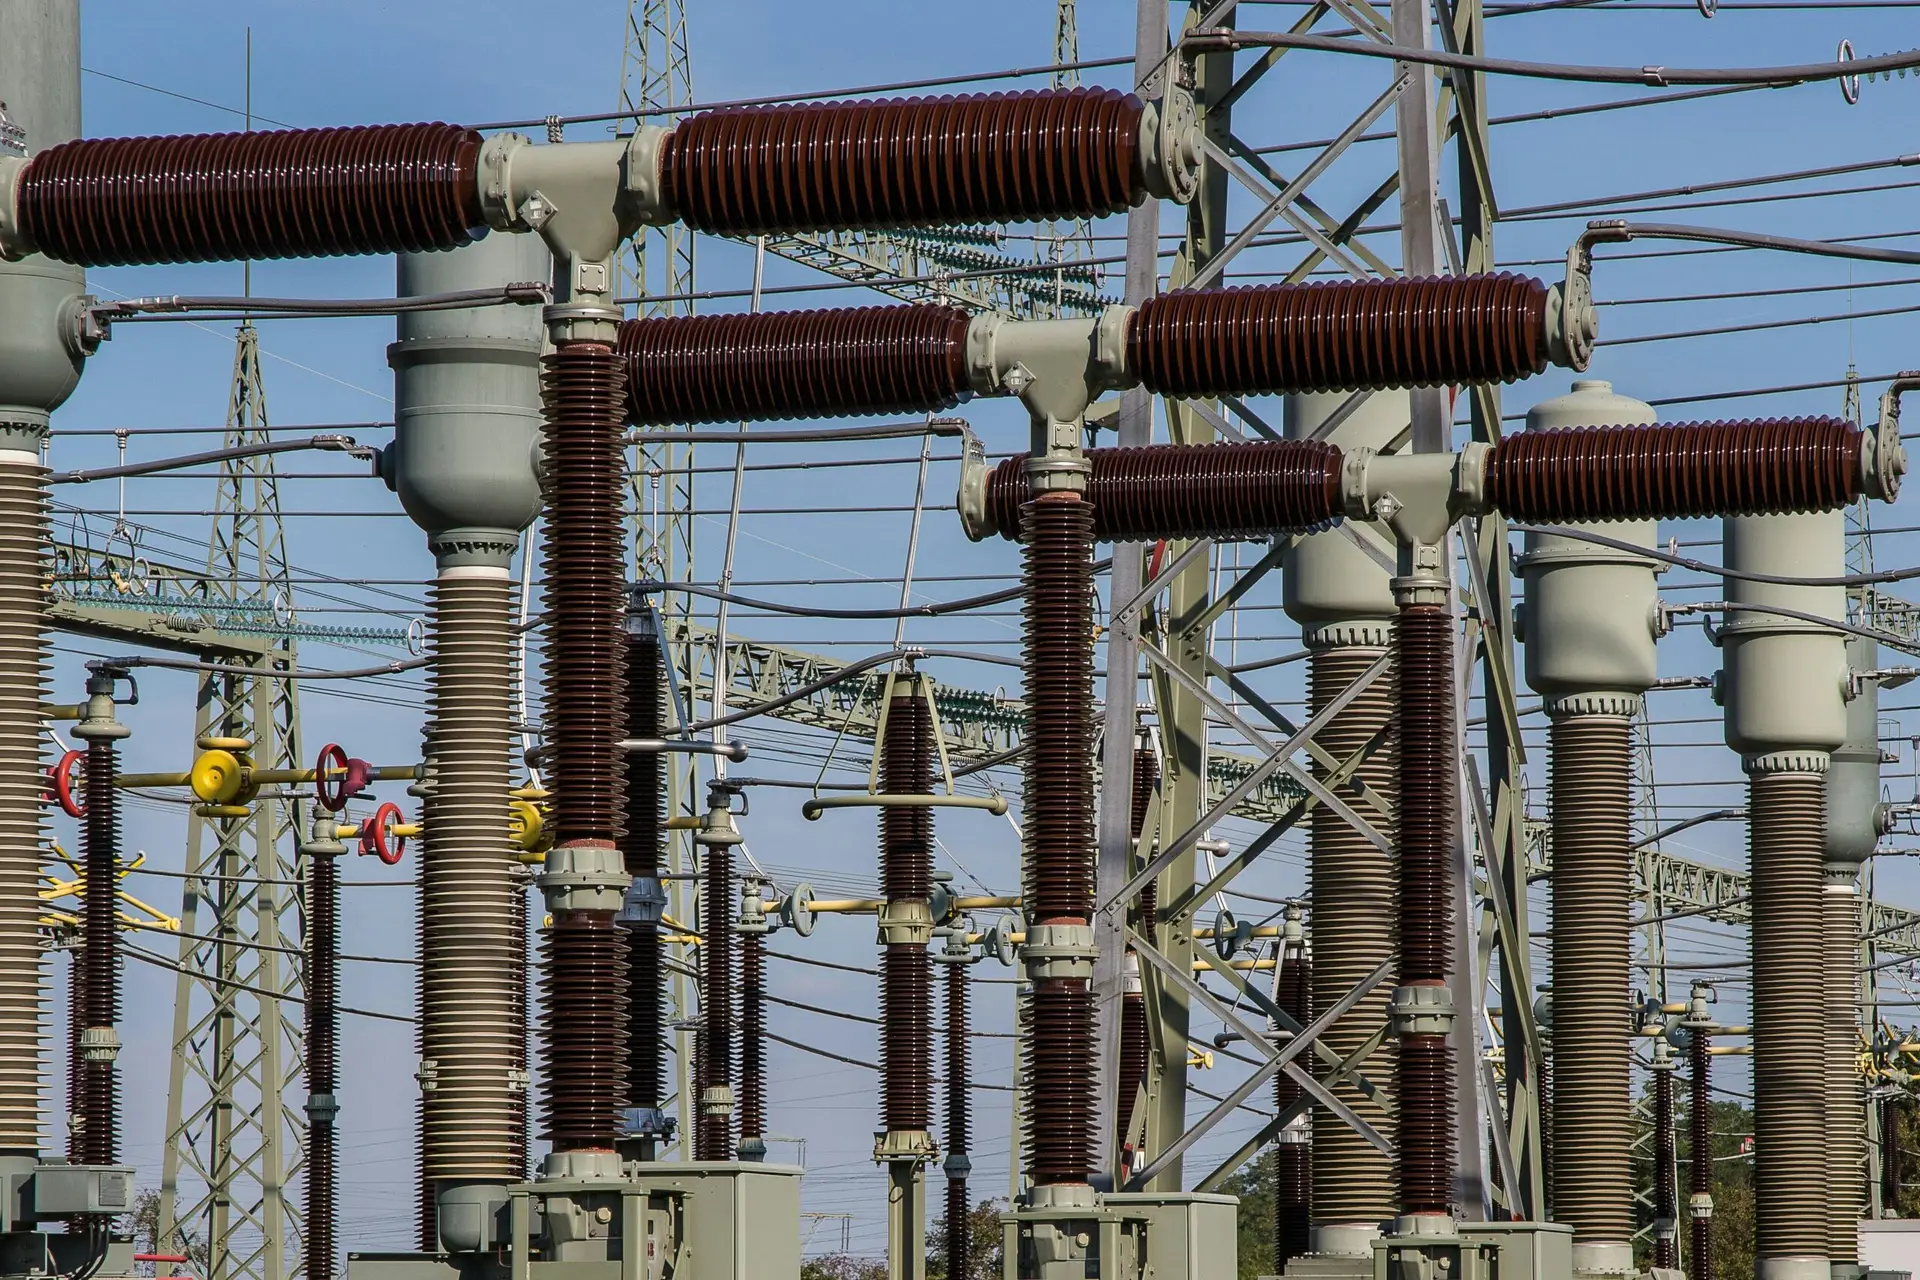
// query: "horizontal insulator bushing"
[[998, 157], [284, 193], [795, 364], [1225, 492], [1754, 467], [1451, 330]]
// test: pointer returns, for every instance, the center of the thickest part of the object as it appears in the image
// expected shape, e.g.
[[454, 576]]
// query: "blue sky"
[[350, 62]]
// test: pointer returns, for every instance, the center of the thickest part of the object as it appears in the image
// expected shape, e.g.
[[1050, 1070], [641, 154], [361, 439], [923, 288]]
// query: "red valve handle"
[[376, 835], [332, 797], [63, 780]]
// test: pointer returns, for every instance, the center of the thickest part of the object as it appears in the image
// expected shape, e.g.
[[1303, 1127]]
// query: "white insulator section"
[[23, 689]]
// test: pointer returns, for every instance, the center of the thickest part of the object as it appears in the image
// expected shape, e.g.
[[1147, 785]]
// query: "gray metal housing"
[[1337, 592], [1856, 816], [1784, 678]]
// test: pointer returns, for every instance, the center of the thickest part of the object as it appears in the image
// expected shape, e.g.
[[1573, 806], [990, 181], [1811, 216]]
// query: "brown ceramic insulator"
[[100, 836], [1590, 783], [1429, 802], [322, 1037], [1785, 841], [1700, 1151], [715, 1132], [1890, 1153], [906, 1059], [753, 1036], [585, 1030], [1146, 776], [1060, 1048], [426, 1196], [1292, 1163], [959, 1122], [1150, 909], [645, 794], [947, 161], [1846, 1108], [1134, 1060], [520, 936], [1665, 1247], [1440, 331], [284, 193], [76, 1071], [582, 387], [1754, 467], [795, 364], [1423, 1110], [1352, 888], [1058, 799], [1226, 492], [906, 768]]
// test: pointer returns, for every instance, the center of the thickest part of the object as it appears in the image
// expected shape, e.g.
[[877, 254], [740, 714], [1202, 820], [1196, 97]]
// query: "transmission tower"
[[233, 1145], [1070, 241], [656, 77]]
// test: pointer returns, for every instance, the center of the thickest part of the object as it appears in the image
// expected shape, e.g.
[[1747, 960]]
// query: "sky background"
[[839, 536]]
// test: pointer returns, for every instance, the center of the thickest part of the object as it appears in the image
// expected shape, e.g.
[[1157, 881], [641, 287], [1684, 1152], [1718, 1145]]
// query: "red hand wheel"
[[377, 837], [63, 780], [331, 792]]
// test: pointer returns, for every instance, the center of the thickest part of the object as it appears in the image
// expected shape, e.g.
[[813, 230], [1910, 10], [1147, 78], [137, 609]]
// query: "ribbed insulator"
[[283, 193], [1058, 775], [959, 1121], [714, 1133], [322, 1036], [1135, 1049], [24, 573], [1292, 1165], [1700, 1151], [1846, 1110], [948, 161], [1226, 492], [1352, 890], [753, 1036], [100, 838], [520, 1153], [1755, 467], [1060, 1050], [76, 1065], [1785, 839], [1423, 1110], [641, 814], [583, 388], [1270, 339], [795, 364], [906, 874], [1665, 1202], [585, 1031], [470, 918], [1590, 782], [1146, 777], [1892, 1169], [1429, 804]]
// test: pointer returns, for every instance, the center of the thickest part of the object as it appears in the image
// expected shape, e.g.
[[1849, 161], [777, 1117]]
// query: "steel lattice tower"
[[233, 1145]]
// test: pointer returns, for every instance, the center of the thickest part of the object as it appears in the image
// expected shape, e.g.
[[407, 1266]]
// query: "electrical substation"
[[1363, 759]]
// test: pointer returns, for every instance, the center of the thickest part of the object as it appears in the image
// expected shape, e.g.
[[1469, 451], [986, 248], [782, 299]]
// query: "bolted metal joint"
[[1170, 149], [908, 1146], [322, 1108], [1421, 1011], [909, 920], [584, 875], [1883, 459], [716, 1100], [1058, 951], [1700, 1205], [13, 245], [99, 1044], [645, 903]]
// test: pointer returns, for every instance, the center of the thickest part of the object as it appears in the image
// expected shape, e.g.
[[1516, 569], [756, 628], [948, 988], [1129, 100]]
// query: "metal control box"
[[66, 1190], [1190, 1235]]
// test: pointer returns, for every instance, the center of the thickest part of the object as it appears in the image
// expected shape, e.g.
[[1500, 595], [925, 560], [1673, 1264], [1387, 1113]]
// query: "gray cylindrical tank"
[[467, 402], [1591, 613], [40, 306], [1334, 590], [1784, 679], [1856, 818]]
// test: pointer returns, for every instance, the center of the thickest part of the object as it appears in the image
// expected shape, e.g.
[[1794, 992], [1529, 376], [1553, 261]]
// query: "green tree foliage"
[[1253, 1183], [983, 1224], [843, 1266], [1731, 1127], [143, 1224]]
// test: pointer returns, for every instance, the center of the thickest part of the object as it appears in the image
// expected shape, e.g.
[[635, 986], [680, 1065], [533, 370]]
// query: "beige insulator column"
[[467, 414], [1589, 624], [42, 344], [1340, 597], [1783, 688], [1856, 819]]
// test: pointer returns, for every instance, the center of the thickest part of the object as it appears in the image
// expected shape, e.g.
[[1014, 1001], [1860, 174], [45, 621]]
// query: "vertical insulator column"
[[1666, 1213], [583, 388], [1890, 1156], [645, 793], [753, 1043], [1428, 815], [76, 1070], [23, 670], [322, 1034], [906, 884], [1057, 537], [1292, 1158], [1354, 929], [1135, 1048], [1590, 779], [1786, 813], [1846, 1102], [959, 1117], [1700, 1153], [472, 957], [99, 1089], [715, 1138]]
